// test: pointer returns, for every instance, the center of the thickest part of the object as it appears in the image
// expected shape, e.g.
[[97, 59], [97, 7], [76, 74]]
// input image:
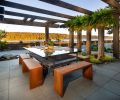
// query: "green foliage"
[[109, 50], [94, 48], [51, 43], [103, 18], [83, 53], [100, 18], [107, 58], [3, 45], [75, 24], [94, 60], [2, 34]]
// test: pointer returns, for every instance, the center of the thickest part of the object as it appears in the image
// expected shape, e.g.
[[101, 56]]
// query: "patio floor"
[[15, 86]]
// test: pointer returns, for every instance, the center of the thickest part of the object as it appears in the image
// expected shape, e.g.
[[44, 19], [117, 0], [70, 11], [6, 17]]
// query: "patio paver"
[[105, 85]]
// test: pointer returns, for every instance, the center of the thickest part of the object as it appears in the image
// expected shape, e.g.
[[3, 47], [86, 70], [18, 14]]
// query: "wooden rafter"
[[28, 23], [112, 3], [32, 16], [33, 9], [1, 17], [48, 23], [68, 6], [1, 10], [32, 19], [25, 19]]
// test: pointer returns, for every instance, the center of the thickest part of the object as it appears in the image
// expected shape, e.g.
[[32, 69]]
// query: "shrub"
[[3, 45], [2, 34], [109, 50], [83, 53], [95, 48], [107, 58], [94, 60]]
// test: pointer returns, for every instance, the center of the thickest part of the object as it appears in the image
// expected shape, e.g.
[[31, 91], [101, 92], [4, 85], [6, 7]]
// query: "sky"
[[92, 5]]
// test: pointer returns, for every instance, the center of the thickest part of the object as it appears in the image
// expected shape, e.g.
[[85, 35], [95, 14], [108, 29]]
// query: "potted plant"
[[49, 47]]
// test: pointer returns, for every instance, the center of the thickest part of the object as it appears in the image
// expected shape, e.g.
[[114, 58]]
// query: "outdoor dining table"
[[50, 60]]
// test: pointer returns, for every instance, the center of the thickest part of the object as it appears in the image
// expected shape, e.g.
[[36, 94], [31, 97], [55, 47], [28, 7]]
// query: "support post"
[[88, 42], [116, 38], [47, 33], [100, 43], [79, 40], [71, 41]]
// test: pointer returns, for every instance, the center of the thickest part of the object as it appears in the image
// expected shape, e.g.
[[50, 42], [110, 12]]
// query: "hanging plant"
[[87, 22], [70, 24], [102, 18]]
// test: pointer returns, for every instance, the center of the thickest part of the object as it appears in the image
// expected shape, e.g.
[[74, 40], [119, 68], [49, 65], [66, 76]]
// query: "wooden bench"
[[61, 60], [59, 74], [35, 72], [82, 58], [22, 57]]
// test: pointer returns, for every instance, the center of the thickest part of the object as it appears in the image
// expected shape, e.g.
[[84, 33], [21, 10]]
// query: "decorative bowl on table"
[[49, 49]]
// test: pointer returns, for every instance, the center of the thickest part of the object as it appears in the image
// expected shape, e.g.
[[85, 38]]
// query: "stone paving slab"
[[14, 85]]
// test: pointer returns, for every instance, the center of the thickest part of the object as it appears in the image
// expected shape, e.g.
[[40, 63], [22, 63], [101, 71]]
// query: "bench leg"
[[36, 77], [88, 72], [20, 60], [58, 83], [24, 68]]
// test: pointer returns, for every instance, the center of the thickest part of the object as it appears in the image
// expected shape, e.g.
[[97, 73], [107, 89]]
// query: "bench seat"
[[23, 56], [35, 72], [59, 74]]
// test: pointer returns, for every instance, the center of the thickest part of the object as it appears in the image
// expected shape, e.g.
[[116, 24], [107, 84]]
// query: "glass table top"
[[57, 51]]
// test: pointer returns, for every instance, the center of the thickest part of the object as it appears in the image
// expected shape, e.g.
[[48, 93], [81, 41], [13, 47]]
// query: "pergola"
[[51, 22]]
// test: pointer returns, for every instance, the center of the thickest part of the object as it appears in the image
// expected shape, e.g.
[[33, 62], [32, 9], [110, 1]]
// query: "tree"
[[100, 19]]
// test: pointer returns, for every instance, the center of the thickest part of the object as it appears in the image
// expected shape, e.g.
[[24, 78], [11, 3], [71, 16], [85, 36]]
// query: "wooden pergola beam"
[[33, 9], [112, 3], [2, 10], [68, 6], [32, 16], [25, 19], [28, 23], [1, 17], [32, 19]]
